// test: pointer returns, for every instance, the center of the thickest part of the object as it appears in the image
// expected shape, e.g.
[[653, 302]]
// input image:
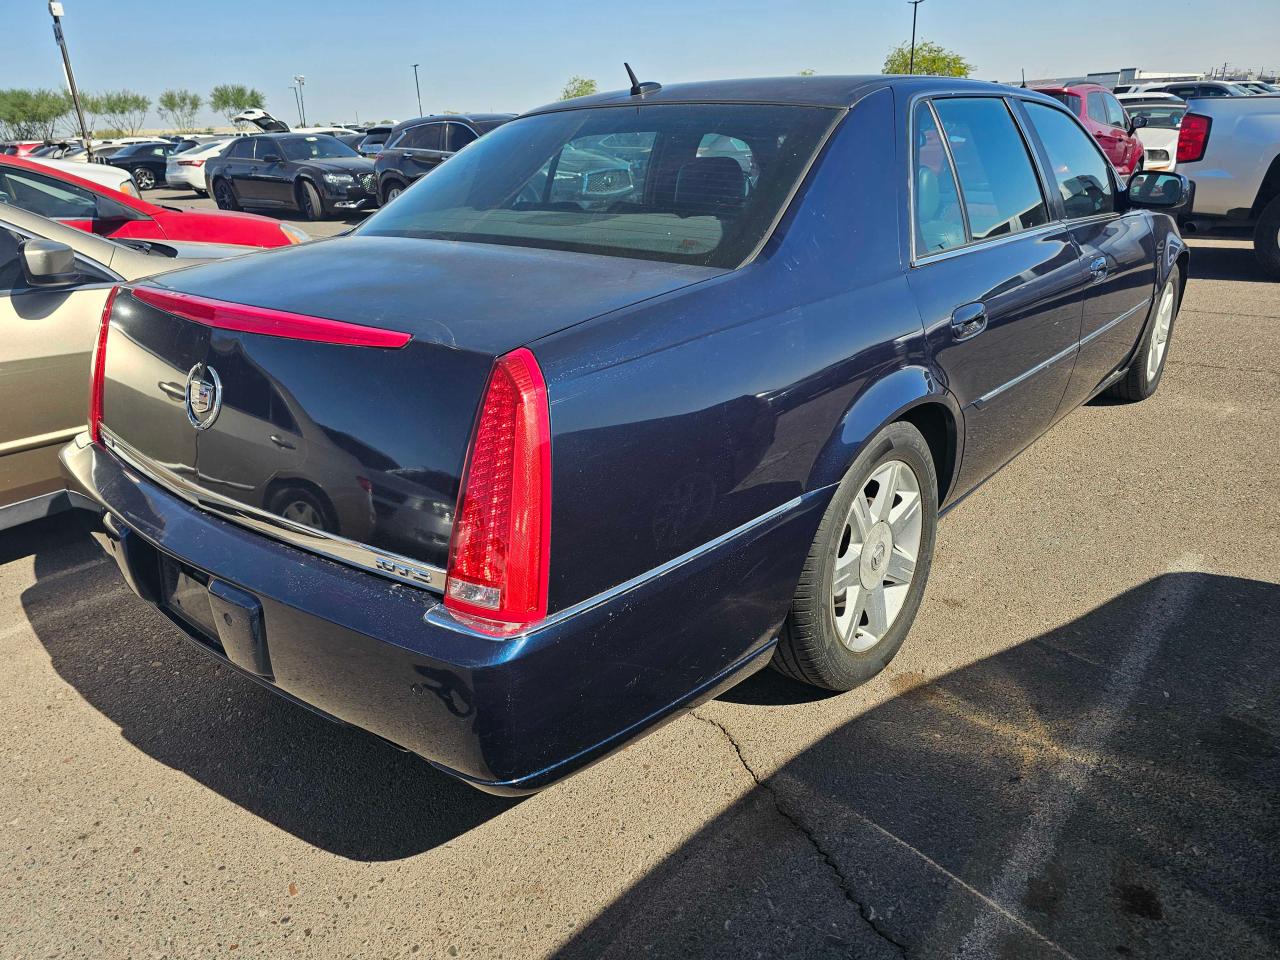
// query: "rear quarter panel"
[[678, 419]]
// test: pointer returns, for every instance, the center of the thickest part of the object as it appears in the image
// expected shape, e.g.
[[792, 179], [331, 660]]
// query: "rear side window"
[[241, 149], [939, 220], [998, 183], [1097, 108], [1068, 100], [1115, 112], [459, 136], [1079, 168]]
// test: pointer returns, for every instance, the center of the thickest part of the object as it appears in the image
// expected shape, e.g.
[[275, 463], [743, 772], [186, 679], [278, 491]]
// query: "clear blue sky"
[[506, 55]]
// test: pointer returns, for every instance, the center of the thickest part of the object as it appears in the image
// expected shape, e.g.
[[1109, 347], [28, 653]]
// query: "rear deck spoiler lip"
[[226, 315]]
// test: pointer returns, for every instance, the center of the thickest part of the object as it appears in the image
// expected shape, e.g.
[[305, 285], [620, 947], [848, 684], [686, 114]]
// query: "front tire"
[[309, 203], [144, 178], [1266, 238], [390, 190], [866, 572], [1147, 366]]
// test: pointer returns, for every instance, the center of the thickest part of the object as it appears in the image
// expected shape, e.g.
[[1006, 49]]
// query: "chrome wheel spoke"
[[877, 613], [860, 516], [905, 516], [846, 574], [886, 479], [901, 567]]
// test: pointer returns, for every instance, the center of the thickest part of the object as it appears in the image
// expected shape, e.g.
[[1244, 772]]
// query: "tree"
[[124, 110], [31, 114], [579, 87], [931, 58], [180, 107], [808, 72], [230, 99]]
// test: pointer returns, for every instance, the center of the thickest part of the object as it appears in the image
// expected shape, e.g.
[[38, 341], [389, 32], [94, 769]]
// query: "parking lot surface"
[[1074, 755]]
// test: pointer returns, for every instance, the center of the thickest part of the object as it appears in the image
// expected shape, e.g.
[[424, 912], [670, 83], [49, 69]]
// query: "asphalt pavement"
[[1074, 755]]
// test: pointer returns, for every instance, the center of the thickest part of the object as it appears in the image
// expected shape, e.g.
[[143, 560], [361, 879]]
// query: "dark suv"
[[415, 147]]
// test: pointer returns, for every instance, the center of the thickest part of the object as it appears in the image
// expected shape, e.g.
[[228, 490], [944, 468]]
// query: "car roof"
[[441, 117], [819, 91]]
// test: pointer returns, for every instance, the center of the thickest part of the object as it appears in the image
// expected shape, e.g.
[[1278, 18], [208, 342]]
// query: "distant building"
[[1115, 78]]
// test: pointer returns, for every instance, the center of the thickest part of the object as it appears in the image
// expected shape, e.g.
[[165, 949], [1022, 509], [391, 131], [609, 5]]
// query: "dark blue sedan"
[[538, 457]]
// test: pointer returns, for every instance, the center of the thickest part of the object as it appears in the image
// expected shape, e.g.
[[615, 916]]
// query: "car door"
[[423, 149], [46, 337], [274, 172], [997, 279], [1106, 134], [238, 166], [1118, 249]]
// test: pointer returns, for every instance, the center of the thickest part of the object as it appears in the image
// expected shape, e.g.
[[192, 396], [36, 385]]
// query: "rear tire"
[[224, 196], [309, 203], [144, 178], [866, 572], [1266, 238], [1147, 366]]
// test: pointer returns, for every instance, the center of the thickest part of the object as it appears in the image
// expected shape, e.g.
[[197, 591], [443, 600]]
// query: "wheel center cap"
[[875, 555]]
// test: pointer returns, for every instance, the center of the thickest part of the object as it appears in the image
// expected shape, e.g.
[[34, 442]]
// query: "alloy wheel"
[[394, 192], [1160, 334], [146, 179], [876, 557], [299, 511]]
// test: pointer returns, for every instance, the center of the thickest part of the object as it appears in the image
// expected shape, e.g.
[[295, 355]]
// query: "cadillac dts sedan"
[[528, 463]]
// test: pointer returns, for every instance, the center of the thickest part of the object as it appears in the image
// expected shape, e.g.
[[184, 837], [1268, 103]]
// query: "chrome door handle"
[[1098, 268], [281, 442], [968, 321]]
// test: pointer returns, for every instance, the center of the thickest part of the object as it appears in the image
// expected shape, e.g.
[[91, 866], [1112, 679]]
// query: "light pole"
[[915, 5], [417, 88], [301, 81], [55, 11], [296, 102]]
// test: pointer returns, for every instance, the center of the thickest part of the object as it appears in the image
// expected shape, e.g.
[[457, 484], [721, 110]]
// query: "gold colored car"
[[54, 281]]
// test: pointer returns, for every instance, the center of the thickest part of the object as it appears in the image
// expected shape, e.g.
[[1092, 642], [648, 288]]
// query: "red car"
[[20, 148], [94, 208], [1102, 116]]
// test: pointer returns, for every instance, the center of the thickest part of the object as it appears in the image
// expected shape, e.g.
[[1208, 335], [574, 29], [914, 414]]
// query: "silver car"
[[54, 282]]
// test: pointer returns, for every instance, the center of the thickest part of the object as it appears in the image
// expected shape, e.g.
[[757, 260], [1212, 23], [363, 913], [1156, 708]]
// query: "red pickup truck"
[[1103, 117]]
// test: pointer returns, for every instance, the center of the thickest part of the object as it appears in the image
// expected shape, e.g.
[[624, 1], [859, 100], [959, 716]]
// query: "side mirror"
[[1171, 193], [1137, 123], [271, 158], [47, 263]]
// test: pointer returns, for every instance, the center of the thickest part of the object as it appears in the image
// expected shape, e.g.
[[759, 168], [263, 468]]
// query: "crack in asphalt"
[[842, 881]]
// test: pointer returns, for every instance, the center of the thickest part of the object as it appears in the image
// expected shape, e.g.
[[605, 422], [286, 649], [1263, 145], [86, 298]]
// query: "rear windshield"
[[321, 146], [1068, 100], [686, 183]]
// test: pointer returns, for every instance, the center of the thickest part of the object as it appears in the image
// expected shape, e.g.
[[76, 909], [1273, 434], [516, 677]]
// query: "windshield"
[[319, 147], [687, 183], [1159, 116], [1068, 100]]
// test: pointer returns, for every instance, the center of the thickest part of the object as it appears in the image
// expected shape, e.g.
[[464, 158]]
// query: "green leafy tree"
[[32, 114], [179, 108], [123, 110], [931, 58], [579, 87], [229, 99], [808, 72]]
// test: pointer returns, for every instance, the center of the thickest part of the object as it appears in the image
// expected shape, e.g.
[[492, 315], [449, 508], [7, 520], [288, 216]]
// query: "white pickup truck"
[[1230, 148]]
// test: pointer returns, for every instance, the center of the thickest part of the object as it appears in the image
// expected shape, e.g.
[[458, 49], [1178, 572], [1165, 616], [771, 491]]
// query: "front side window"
[[1115, 112], [620, 181], [317, 147], [998, 183], [1080, 170], [939, 218], [46, 196], [428, 136]]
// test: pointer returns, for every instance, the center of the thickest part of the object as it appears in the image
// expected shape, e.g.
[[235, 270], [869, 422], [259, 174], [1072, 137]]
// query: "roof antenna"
[[636, 91], [1024, 78]]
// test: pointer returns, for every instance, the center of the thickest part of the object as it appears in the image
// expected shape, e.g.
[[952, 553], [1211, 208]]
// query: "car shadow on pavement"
[[1235, 262], [330, 785], [1106, 789]]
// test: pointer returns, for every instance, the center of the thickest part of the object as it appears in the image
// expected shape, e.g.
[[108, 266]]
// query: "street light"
[[296, 102], [56, 11], [915, 4], [301, 81], [418, 88]]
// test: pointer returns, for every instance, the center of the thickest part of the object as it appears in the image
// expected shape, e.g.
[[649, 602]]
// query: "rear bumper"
[[508, 716]]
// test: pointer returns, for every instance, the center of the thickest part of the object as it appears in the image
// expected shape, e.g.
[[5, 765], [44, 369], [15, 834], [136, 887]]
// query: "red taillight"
[[499, 554], [191, 163], [98, 368], [264, 320], [1193, 137]]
